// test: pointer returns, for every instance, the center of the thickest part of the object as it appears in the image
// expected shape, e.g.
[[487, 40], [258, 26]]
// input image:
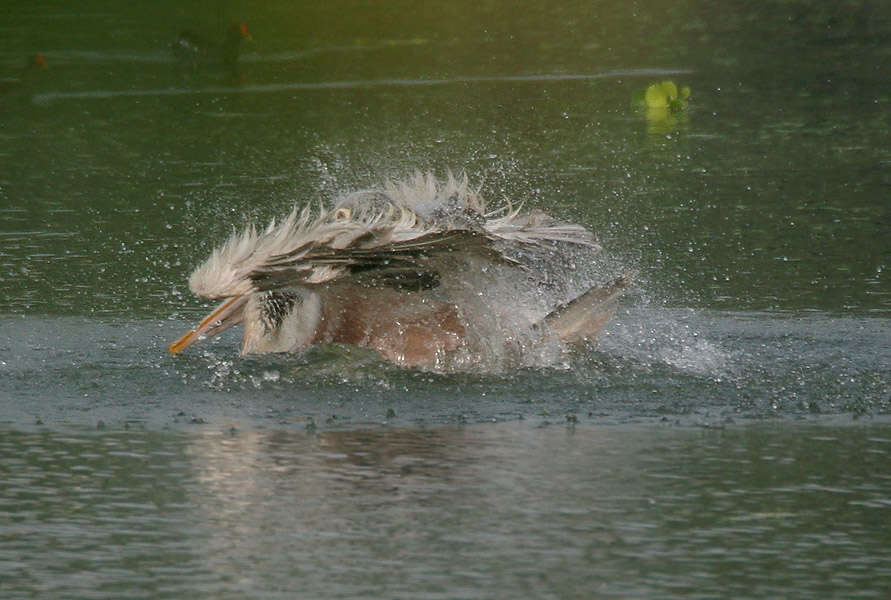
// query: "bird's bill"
[[227, 314], [244, 33]]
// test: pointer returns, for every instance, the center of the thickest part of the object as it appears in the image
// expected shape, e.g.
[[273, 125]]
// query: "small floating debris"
[[663, 104]]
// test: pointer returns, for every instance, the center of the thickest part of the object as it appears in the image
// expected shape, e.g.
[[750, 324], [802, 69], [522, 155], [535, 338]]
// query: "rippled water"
[[627, 511], [729, 435], [653, 365]]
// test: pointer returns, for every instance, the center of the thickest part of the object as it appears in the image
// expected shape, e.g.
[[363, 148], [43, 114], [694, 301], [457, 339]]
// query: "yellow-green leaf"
[[656, 96], [670, 89]]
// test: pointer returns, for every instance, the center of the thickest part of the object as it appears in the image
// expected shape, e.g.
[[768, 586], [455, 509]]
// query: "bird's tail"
[[583, 317]]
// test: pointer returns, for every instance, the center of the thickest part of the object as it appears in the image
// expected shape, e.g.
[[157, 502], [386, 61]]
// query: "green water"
[[729, 436]]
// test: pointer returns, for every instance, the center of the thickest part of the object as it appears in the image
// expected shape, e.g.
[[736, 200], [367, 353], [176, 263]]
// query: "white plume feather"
[[394, 213]]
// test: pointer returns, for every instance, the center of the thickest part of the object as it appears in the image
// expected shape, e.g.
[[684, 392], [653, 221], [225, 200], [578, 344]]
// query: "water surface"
[[728, 436]]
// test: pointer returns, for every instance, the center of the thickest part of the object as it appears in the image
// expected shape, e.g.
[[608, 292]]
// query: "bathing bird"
[[192, 49], [421, 271], [28, 77]]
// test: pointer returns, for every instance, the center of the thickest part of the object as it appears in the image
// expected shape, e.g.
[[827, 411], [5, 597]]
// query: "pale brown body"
[[404, 327]]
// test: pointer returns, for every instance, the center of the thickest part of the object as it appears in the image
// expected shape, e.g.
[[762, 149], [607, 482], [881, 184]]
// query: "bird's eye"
[[342, 214]]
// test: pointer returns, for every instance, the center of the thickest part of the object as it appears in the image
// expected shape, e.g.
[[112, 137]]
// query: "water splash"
[[677, 338]]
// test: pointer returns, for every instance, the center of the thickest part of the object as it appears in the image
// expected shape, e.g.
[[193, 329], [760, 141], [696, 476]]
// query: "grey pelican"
[[420, 271]]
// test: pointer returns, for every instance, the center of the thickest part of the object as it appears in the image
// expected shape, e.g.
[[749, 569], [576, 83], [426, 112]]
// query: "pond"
[[729, 434]]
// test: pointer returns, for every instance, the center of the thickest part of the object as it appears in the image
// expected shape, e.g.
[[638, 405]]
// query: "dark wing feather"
[[406, 264]]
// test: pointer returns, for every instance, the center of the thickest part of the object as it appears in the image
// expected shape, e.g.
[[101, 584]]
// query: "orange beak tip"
[[180, 344], [224, 316]]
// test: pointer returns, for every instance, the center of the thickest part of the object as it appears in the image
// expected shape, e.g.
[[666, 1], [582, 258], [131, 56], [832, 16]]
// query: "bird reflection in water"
[[23, 84]]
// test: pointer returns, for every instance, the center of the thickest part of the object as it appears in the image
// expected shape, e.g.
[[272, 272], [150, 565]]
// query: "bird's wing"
[[404, 263], [537, 228]]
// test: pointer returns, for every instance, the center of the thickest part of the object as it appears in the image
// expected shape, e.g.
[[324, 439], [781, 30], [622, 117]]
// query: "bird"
[[420, 271], [192, 49], [29, 76]]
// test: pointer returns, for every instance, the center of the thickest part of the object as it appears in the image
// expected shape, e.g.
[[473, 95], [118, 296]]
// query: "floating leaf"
[[656, 97], [663, 105], [671, 90]]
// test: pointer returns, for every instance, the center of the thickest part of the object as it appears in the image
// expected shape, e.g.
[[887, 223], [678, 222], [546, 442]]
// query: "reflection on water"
[[509, 511], [336, 85]]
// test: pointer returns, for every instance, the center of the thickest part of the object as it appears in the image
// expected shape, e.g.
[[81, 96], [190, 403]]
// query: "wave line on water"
[[357, 83]]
